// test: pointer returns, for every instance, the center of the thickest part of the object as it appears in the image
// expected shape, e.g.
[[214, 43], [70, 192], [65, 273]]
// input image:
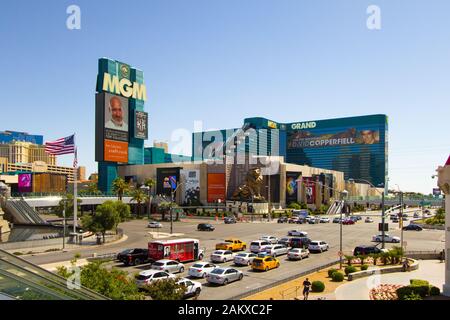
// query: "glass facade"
[[12, 136]]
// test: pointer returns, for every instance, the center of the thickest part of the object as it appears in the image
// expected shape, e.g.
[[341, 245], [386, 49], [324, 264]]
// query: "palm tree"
[[150, 183], [139, 197], [120, 187]]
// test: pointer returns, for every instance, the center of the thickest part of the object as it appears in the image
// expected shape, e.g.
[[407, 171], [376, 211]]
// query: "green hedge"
[[349, 269], [337, 276], [318, 286], [331, 271], [407, 291], [364, 267], [435, 291]]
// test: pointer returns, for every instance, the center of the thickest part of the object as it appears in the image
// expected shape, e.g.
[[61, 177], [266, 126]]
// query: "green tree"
[[123, 210], [138, 196], [294, 205], [120, 187], [68, 200], [165, 207], [167, 289], [105, 218], [91, 189]]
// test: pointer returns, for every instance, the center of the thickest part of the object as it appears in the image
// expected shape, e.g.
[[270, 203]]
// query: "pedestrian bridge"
[[53, 201]]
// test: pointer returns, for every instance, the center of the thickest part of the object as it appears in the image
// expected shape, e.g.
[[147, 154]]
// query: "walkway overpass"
[[53, 201]]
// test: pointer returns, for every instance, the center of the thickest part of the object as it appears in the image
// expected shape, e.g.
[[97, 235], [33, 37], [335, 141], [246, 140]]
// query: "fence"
[[276, 283]]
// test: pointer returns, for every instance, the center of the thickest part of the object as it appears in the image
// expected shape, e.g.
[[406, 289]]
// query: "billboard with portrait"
[[216, 187], [310, 189], [292, 186], [116, 117], [24, 182], [167, 180], [192, 186]]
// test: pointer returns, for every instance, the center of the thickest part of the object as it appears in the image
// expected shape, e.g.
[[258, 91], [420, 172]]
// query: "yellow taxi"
[[232, 245], [265, 264]]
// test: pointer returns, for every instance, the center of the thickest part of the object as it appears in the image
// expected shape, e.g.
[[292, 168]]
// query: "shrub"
[[349, 269], [412, 296], [406, 291], [418, 282], [337, 276], [331, 271], [294, 205], [364, 267], [318, 286], [435, 291]]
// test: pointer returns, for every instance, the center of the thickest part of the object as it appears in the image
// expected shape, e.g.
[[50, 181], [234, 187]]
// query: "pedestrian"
[[442, 255], [306, 288], [405, 265]]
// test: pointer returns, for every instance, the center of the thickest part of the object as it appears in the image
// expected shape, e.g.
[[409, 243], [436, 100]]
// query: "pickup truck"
[[133, 256], [232, 245]]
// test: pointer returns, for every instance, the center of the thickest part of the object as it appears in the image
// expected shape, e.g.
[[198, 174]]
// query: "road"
[[353, 235]]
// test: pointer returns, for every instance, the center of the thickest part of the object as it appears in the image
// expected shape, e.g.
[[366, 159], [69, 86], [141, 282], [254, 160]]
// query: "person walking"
[[306, 288]]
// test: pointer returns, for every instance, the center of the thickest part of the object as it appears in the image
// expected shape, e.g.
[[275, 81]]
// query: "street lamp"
[[400, 223], [382, 208], [173, 200], [147, 189]]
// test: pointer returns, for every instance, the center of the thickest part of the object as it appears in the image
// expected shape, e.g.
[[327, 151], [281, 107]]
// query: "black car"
[[205, 227], [413, 227], [365, 250], [282, 220], [299, 242], [133, 257], [229, 220]]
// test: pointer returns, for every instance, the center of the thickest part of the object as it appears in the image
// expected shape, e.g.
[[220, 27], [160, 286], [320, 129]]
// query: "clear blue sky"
[[222, 61]]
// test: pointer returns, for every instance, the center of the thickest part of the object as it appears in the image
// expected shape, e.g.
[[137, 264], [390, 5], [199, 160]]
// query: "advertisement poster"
[[116, 117], [310, 189], [140, 125], [192, 185], [24, 182], [167, 180], [436, 192], [116, 151], [216, 187], [292, 186]]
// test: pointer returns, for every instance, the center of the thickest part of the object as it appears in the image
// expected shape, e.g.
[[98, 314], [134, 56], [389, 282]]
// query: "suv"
[[299, 242], [365, 250], [319, 246], [205, 227], [282, 220], [229, 220], [133, 257], [258, 246]]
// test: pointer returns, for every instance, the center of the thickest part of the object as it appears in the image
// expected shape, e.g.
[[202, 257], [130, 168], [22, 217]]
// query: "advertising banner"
[[192, 185], [167, 180], [310, 189], [292, 186], [116, 117], [216, 187], [308, 139], [24, 182], [140, 125], [115, 151], [436, 192]]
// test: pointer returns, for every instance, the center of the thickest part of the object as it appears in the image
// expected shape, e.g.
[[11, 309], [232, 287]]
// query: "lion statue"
[[251, 186]]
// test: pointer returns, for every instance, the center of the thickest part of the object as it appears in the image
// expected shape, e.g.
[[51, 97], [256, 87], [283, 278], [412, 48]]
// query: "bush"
[[337, 276], [331, 271], [294, 205], [435, 291], [407, 291], [364, 267], [418, 282], [412, 296], [318, 286], [349, 269]]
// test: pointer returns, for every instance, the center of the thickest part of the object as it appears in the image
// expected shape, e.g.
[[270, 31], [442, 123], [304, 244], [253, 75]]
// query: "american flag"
[[61, 146]]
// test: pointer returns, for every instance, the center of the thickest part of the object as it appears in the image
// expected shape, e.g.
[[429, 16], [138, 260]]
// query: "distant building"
[[161, 144], [13, 136], [81, 173], [25, 152]]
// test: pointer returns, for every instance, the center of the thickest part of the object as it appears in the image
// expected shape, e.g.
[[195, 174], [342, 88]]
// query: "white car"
[[324, 220], [276, 250], [222, 256], [297, 233], [270, 239], [318, 245], [298, 254], [166, 265], [201, 269], [193, 288], [387, 238], [224, 275], [154, 224], [258, 246], [146, 277], [244, 258]]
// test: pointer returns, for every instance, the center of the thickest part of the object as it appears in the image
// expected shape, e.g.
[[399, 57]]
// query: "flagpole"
[[75, 191]]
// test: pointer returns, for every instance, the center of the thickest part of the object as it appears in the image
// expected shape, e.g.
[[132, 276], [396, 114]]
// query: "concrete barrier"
[[414, 265]]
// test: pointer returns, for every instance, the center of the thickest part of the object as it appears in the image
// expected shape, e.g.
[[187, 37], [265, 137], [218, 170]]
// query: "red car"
[[348, 221]]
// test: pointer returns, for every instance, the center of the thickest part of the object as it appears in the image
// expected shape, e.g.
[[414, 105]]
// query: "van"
[[258, 246], [299, 242], [365, 250]]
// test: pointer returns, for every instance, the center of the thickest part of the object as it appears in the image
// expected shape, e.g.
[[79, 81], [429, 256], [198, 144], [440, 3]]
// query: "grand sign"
[[124, 87]]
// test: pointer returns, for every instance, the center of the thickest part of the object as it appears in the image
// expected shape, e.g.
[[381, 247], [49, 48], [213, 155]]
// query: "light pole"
[[147, 190], [400, 222], [173, 200]]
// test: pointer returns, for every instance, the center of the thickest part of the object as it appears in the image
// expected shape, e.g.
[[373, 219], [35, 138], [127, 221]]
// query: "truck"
[[181, 250], [232, 245]]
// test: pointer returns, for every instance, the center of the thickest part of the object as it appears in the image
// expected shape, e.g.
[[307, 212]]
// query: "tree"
[[92, 189], [120, 187], [165, 207], [138, 196], [68, 200], [123, 210], [150, 183], [105, 218], [167, 289]]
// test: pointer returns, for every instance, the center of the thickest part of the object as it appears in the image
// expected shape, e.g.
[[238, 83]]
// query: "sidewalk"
[[430, 270]]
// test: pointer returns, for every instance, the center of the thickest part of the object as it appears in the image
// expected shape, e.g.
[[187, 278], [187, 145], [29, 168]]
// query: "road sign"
[[340, 253], [386, 227]]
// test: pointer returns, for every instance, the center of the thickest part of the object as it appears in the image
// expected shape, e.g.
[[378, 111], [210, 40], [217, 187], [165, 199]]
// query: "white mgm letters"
[[124, 87]]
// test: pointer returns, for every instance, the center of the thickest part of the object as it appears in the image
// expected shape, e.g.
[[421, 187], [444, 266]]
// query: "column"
[[444, 185]]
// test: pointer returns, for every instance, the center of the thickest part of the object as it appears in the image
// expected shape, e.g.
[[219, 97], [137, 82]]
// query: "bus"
[[181, 250]]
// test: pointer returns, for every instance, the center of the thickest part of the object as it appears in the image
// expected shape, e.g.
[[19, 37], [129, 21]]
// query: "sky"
[[220, 61]]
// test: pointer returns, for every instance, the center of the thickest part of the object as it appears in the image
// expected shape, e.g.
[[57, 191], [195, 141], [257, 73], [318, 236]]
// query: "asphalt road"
[[353, 235]]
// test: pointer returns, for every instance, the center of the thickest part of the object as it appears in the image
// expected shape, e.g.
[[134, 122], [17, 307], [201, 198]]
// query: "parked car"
[[337, 220], [353, 218], [193, 288], [299, 242], [298, 254], [276, 250], [324, 220], [224, 276], [292, 220], [148, 276], [368, 220], [270, 239], [348, 222], [387, 238], [413, 227], [297, 233], [416, 215], [170, 266], [265, 264], [284, 241], [222, 256], [201, 269], [232, 245], [154, 224], [314, 220], [258, 246], [282, 220], [365, 250], [395, 220], [134, 257], [318, 245], [405, 218], [263, 254], [229, 220], [205, 227], [244, 259]]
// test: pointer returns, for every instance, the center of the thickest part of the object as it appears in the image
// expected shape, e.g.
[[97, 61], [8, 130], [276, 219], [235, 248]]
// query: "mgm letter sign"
[[119, 110]]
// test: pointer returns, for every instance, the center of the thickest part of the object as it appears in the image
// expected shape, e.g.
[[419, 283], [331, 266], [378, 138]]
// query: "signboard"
[[216, 187], [192, 186], [386, 227], [292, 186], [436, 192], [24, 182], [310, 189], [140, 125], [167, 180]]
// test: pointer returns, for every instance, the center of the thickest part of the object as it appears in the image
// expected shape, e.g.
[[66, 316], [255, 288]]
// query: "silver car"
[[166, 265], [148, 276], [201, 269], [298, 254], [244, 259], [224, 275], [222, 256], [276, 250], [270, 239]]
